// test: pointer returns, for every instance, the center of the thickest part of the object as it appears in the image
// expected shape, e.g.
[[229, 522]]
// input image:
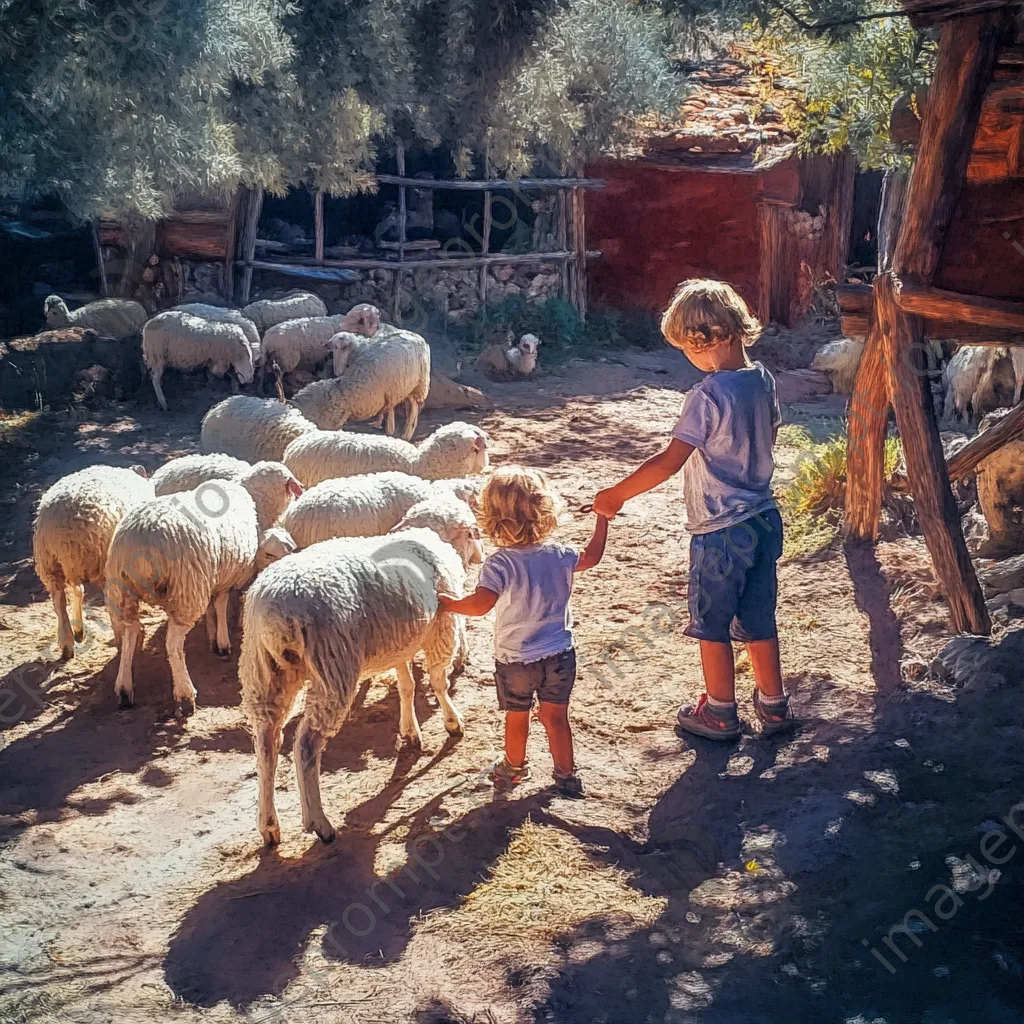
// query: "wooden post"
[[400, 159], [773, 300], [318, 227], [251, 208], [868, 412], [964, 65], [562, 231], [228, 272], [578, 268], [139, 241], [100, 267], [485, 240], [835, 245]]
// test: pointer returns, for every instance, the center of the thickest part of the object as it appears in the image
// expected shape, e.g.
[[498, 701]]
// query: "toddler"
[[528, 580], [724, 437]]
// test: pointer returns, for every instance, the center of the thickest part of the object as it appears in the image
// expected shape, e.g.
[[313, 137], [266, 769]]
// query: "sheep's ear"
[[141, 470], [480, 444]]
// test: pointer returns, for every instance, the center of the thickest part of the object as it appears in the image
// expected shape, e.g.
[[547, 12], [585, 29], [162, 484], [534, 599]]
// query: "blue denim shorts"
[[733, 580]]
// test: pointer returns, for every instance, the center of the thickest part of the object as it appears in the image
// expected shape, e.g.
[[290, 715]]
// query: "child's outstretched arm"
[[480, 602], [656, 470], [594, 551]]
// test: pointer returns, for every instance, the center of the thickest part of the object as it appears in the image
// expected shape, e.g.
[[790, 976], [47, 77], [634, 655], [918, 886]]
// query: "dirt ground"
[[733, 884]]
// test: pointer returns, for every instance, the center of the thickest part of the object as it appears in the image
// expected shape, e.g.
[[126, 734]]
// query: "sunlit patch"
[[885, 780], [834, 827], [862, 799], [738, 765]]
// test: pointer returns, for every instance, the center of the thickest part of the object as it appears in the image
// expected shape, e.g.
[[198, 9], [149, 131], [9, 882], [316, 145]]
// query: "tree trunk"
[[139, 241], [251, 206]]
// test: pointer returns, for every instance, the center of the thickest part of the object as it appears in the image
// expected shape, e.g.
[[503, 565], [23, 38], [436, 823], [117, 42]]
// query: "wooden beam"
[[927, 12], [442, 262], [101, 268], [228, 267], [497, 184], [936, 304], [854, 298], [485, 236], [402, 222], [252, 206], [578, 267], [966, 460], [773, 268], [858, 325], [318, 225]]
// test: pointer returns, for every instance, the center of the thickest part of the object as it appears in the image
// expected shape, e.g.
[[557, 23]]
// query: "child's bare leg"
[[719, 667], [764, 660], [517, 730], [555, 719]]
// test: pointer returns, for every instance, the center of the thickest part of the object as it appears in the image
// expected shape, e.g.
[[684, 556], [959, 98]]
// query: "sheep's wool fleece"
[[251, 428], [218, 314], [190, 471], [188, 342], [176, 553], [344, 610], [266, 313], [109, 318], [306, 341], [77, 517], [324, 454], [355, 506]]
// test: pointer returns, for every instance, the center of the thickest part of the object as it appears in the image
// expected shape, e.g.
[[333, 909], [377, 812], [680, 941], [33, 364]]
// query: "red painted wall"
[[656, 228]]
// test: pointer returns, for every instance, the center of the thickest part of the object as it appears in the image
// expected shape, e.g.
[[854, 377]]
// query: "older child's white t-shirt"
[[532, 618], [729, 417]]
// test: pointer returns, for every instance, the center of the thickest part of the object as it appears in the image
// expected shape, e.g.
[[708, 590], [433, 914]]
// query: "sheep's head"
[[272, 487], [243, 363], [343, 346], [464, 489], [528, 344], [452, 520], [141, 471], [363, 319], [455, 448], [55, 311], [274, 545]]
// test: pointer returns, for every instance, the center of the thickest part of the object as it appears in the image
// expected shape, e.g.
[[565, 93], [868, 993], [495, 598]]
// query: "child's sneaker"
[[570, 785], [701, 719], [505, 775], [776, 717]]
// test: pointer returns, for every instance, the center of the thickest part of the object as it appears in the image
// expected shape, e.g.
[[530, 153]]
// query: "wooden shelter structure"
[[972, 128]]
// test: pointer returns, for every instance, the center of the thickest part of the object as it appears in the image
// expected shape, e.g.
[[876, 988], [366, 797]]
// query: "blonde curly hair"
[[518, 507], [706, 313]]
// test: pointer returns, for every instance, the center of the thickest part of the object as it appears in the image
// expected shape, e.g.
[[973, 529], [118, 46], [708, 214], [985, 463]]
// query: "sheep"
[[187, 342], [501, 363], [74, 522], [188, 472], [454, 450], [370, 505], [223, 315], [185, 553], [336, 613], [970, 381], [252, 428], [267, 312], [306, 342], [374, 378], [840, 360], [109, 318], [1017, 359]]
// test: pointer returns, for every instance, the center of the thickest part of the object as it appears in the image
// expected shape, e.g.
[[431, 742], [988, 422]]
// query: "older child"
[[724, 437], [529, 581]]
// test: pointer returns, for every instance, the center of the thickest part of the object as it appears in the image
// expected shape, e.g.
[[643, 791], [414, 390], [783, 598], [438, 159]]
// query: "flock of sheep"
[[343, 540]]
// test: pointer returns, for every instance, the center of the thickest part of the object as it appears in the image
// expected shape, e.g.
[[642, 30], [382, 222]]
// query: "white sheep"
[[516, 361], [334, 614], [374, 378], [186, 342], [75, 520], [188, 472], [454, 450], [185, 553], [267, 312], [373, 504], [302, 344], [840, 360], [109, 318], [252, 428], [223, 315], [970, 381], [1017, 359]]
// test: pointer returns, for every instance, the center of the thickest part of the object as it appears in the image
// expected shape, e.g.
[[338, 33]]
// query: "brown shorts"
[[550, 678]]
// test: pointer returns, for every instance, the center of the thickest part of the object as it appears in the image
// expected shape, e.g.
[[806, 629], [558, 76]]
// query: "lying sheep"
[[374, 379], [188, 472], [222, 315], [511, 363], [185, 553], [304, 343], [186, 342], [334, 614], [267, 312], [840, 360], [454, 450], [109, 318], [373, 504], [252, 428], [75, 520]]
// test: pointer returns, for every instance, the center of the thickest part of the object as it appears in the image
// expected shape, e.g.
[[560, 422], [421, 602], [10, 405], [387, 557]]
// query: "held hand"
[[607, 503]]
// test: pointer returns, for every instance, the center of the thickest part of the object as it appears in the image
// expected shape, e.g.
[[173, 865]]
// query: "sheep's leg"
[[65, 634], [184, 690], [412, 419], [222, 644], [461, 647], [378, 420], [267, 741], [234, 383], [408, 727], [211, 626], [389, 416], [260, 376], [124, 688], [306, 751], [439, 684], [77, 624], [157, 373]]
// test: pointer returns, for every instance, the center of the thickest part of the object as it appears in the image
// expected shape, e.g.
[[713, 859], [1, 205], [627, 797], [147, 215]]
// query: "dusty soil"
[[745, 883]]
